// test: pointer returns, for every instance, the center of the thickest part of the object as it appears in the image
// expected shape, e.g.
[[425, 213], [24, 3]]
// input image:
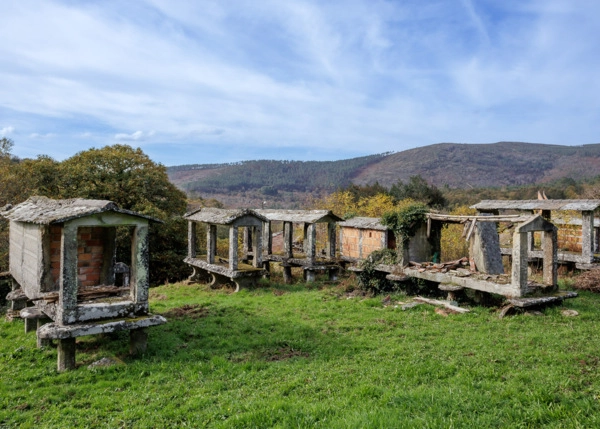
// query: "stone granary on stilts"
[[312, 252], [578, 230], [63, 262], [232, 268]]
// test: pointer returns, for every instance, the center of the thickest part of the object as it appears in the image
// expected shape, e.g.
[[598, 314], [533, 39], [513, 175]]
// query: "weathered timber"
[[441, 304]]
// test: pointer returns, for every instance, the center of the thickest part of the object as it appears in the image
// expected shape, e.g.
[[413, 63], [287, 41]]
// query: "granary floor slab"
[[54, 331], [508, 290], [244, 270]]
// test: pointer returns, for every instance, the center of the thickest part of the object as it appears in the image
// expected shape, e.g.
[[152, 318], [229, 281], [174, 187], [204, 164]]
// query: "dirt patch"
[[195, 311], [278, 292], [284, 353]]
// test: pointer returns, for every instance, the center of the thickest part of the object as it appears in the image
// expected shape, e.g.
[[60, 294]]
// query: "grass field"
[[296, 357]]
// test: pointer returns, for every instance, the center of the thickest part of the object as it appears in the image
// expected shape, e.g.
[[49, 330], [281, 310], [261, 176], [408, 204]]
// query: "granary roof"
[[45, 211], [577, 205], [221, 216], [299, 216], [364, 223]]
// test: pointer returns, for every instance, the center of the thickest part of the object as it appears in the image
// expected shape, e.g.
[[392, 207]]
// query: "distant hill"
[[452, 164]]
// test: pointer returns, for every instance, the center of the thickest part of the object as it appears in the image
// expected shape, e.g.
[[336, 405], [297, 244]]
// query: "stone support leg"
[[287, 275], [66, 354], [138, 341]]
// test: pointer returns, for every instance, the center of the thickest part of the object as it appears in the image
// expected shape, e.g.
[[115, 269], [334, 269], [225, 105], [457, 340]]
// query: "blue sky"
[[228, 80]]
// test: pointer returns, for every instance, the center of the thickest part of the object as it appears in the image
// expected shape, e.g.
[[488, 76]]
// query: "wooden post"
[[66, 354]]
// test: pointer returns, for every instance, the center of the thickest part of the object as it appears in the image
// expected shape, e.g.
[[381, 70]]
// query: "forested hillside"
[[270, 176], [452, 166]]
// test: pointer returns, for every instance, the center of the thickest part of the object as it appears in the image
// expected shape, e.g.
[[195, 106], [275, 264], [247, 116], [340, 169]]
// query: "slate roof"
[[364, 223], [577, 205], [46, 211], [299, 216], [221, 216]]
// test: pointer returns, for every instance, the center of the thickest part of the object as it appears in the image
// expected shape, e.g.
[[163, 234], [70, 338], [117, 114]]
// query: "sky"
[[203, 81]]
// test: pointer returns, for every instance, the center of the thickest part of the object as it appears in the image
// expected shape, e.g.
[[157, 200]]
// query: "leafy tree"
[[131, 179], [419, 190]]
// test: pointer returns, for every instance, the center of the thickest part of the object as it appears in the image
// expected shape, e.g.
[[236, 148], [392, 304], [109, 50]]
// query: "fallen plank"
[[441, 304]]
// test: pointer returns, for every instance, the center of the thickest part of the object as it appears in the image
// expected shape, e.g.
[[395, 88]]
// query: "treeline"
[[117, 173], [273, 176]]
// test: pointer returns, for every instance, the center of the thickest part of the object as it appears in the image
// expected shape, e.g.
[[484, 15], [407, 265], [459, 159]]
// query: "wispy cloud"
[[271, 78], [135, 136]]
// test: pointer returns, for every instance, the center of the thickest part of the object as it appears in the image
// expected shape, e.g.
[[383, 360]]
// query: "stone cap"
[[222, 216], [364, 223], [299, 216], [576, 205], [46, 211]]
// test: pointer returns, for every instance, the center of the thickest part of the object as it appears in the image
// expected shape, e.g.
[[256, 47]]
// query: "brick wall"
[[90, 255], [55, 234], [350, 242], [371, 241]]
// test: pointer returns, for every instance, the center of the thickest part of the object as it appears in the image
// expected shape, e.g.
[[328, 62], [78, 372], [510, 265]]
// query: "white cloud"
[[6, 131], [135, 136], [41, 136]]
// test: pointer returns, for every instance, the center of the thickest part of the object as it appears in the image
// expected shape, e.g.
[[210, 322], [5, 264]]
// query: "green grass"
[[314, 358]]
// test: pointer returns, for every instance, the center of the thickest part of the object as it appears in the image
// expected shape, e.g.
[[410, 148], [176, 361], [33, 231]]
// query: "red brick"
[[85, 257]]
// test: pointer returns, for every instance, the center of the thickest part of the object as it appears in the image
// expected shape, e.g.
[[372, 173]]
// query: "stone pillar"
[[342, 242], [587, 236], [519, 261], [287, 274], [288, 232], [257, 245], [550, 240], [67, 297], [138, 341], [42, 342], [66, 354], [233, 248], [247, 242], [30, 324], [331, 242], [192, 239], [267, 239], [140, 279], [333, 274], [310, 240], [309, 275], [211, 243], [484, 248]]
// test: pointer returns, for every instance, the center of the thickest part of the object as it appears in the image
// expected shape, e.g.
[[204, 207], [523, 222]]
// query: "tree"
[[131, 179], [419, 190]]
